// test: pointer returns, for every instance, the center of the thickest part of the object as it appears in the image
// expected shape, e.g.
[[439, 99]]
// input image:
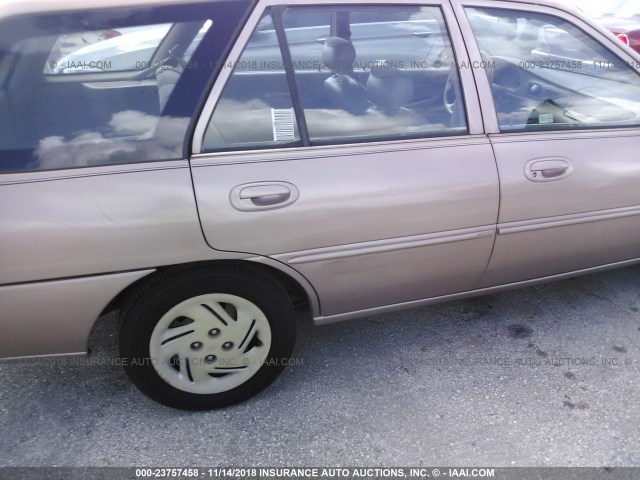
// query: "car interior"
[[53, 121], [547, 74], [362, 74], [377, 74]]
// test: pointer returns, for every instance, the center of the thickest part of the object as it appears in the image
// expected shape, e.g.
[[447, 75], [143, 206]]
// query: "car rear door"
[[561, 104], [392, 203]]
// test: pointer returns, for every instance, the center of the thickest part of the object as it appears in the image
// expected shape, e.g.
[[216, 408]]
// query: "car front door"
[[338, 141], [562, 105]]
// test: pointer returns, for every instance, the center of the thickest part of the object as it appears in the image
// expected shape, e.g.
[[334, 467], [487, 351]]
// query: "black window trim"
[[287, 60]]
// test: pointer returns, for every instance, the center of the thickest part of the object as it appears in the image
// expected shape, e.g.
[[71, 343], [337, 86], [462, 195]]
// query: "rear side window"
[[341, 74], [107, 87], [108, 50]]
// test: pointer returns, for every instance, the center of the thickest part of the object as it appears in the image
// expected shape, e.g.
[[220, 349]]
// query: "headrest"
[[339, 55], [389, 88], [346, 93]]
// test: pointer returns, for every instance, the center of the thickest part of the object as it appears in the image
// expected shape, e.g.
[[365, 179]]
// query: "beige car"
[[348, 159]]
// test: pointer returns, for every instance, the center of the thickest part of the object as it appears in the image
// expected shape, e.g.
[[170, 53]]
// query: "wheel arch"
[[300, 291]]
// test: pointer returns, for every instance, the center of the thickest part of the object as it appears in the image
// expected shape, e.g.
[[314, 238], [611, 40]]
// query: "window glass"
[[255, 109], [109, 50], [379, 73], [112, 50], [547, 74], [362, 73], [71, 97]]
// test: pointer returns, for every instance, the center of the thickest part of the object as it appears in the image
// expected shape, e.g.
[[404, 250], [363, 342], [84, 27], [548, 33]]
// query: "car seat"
[[344, 91], [389, 90]]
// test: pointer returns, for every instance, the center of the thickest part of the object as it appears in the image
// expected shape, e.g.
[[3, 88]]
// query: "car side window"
[[107, 50], [113, 50], [255, 109], [384, 73], [362, 74], [73, 95], [547, 74]]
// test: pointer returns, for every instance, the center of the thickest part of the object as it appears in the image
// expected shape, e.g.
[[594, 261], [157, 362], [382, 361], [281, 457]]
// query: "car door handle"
[[269, 192], [548, 169], [263, 196]]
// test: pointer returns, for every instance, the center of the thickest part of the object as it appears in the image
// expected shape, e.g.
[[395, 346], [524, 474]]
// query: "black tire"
[[169, 290]]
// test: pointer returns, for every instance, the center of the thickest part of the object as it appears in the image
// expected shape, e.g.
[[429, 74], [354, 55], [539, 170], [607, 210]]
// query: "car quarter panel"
[[99, 220], [50, 318], [64, 232]]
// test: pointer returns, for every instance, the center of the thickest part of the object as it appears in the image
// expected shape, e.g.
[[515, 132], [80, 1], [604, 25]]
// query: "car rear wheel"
[[202, 339]]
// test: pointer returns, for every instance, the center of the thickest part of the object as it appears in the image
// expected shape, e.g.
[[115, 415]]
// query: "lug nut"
[[196, 346], [210, 359], [227, 346], [214, 332]]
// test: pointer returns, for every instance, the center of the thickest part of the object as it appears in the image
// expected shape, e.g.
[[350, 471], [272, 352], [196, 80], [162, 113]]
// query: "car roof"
[[19, 7]]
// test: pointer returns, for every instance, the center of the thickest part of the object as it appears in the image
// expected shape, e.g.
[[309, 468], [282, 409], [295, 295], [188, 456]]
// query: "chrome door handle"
[[548, 169], [263, 196]]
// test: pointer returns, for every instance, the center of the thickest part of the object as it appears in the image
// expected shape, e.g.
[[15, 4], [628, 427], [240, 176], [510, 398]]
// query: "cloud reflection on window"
[[132, 136]]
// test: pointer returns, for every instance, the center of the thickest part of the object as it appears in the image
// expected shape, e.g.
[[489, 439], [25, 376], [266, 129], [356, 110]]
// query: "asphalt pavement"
[[544, 376]]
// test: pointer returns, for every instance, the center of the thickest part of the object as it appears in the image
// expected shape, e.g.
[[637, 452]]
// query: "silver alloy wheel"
[[210, 344]]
